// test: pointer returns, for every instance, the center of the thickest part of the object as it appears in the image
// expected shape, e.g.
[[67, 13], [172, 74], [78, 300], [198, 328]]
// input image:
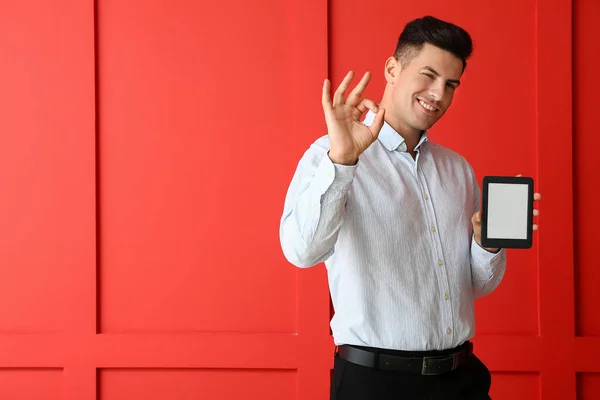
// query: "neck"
[[411, 136]]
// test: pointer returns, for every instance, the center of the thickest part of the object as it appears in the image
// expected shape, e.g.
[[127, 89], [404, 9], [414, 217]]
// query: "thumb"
[[476, 220], [377, 122]]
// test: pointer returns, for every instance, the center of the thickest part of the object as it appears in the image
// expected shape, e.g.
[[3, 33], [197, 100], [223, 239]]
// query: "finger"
[[354, 96], [338, 97], [476, 219], [536, 212], [518, 176], [535, 227], [377, 122], [326, 97], [367, 104]]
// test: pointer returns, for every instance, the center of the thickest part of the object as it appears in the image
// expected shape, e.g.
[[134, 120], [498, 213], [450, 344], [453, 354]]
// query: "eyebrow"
[[433, 71]]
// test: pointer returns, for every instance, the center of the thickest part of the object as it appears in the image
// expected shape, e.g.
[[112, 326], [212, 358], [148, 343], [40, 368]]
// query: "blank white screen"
[[507, 211]]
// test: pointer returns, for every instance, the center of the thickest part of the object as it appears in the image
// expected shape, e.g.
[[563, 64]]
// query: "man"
[[395, 217]]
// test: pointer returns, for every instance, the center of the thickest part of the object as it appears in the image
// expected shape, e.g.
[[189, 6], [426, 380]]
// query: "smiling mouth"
[[426, 106]]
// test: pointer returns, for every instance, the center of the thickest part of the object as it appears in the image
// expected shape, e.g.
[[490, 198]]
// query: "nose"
[[437, 91]]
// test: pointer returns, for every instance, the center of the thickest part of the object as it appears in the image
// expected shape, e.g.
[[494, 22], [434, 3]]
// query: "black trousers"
[[470, 381]]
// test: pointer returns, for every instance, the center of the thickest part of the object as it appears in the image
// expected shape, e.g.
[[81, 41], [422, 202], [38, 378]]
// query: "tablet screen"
[[507, 211]]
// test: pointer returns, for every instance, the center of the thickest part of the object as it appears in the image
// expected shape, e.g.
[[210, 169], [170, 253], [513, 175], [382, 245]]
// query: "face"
[[422, 91]]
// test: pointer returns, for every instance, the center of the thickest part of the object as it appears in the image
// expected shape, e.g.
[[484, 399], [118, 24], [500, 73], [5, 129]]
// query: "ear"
[[392, 68]]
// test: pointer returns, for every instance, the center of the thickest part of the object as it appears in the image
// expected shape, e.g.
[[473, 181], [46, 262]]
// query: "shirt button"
[[440, 263], [446, 297], [449, 331], [432, 228], [426, 197]]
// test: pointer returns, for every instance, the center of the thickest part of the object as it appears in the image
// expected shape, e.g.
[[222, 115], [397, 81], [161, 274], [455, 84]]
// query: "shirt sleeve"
[[314, 207], [487, 269]]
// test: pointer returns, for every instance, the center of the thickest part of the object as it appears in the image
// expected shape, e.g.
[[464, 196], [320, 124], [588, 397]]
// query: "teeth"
[[427, 106]]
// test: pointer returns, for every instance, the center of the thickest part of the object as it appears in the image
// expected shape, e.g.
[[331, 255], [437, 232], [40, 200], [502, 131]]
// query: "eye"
[[430, 76], [452, 86]]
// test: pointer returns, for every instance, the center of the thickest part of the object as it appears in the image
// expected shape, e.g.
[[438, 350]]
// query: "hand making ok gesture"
[[348, 136]]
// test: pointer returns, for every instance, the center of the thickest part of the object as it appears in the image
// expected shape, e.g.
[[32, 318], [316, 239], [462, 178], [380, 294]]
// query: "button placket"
[[446, 317]]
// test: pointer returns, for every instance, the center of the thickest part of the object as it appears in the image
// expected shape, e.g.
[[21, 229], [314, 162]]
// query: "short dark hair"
[[437, 32]]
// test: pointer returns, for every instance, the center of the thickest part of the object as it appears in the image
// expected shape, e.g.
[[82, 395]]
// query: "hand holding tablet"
[[507, 212]]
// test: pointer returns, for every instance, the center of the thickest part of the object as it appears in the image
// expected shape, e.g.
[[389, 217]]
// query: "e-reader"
[[507, 212]]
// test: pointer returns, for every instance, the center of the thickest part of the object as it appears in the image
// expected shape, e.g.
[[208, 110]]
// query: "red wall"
[[146, 151]]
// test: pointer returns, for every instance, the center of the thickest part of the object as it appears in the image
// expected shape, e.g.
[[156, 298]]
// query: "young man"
[[396, 219]]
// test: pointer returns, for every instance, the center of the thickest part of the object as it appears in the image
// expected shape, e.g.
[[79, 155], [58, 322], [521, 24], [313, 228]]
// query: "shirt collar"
[[391, 139]]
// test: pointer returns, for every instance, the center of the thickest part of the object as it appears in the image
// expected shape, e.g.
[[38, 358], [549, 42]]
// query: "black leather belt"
[[434, 365]]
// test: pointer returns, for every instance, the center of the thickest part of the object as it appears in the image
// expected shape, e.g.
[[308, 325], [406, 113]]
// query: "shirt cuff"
[[334, 176], [484, 262]]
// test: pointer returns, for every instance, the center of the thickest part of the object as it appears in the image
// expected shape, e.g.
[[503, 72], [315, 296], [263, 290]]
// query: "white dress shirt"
[[396, 237]]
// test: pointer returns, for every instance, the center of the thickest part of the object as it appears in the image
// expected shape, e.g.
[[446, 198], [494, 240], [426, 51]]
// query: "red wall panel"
[[588, 386], [585, 177], [46, 176], [586, 163], [515, 385], [184, 246], [191, 384], [31, 383]]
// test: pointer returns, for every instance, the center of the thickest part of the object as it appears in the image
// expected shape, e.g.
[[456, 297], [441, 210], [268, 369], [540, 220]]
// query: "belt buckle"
[[424, 370], [425, 365]]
